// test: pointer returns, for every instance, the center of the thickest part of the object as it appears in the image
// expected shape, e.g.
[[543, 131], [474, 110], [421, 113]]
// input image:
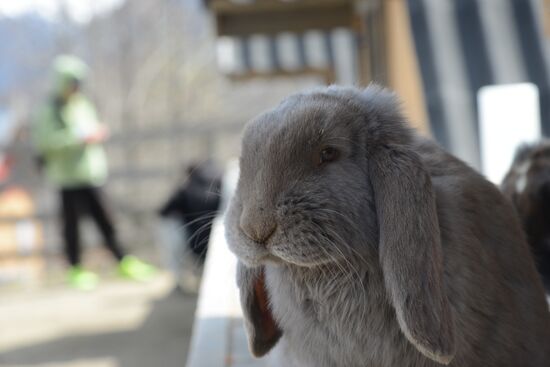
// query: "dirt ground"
[[120, 324]]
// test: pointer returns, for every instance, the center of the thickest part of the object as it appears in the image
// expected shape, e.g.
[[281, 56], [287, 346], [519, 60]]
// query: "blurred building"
[[351, 42]]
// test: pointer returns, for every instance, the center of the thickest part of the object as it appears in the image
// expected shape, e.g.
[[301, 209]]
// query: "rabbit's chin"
[[253, 254], [283, 257], [274, 257]]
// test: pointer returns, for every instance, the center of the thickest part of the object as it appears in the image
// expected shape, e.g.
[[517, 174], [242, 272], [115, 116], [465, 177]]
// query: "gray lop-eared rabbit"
[[362, 244]]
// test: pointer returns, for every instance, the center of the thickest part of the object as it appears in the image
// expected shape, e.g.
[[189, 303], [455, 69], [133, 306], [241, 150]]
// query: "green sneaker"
[[133, 268], [82, 279]]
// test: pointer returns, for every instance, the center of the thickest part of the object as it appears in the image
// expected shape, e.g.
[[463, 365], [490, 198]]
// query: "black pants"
[[77, 202]]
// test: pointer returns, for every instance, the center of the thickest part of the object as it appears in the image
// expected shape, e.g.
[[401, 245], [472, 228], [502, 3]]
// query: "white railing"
[[218, 337]]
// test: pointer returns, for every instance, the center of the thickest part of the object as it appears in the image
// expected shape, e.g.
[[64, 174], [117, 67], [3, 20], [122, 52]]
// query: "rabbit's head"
[[328, 177]]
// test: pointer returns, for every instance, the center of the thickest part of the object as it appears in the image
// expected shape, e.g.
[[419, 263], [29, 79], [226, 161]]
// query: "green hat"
[[67, 69]]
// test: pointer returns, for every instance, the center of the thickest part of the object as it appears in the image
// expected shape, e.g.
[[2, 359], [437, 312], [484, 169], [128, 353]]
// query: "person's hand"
[[98, 136]]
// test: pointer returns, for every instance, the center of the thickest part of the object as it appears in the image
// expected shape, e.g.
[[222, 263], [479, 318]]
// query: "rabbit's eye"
[[328, 154]]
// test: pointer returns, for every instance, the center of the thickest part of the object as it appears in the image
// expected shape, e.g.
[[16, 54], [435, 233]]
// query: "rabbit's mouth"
[[309, 259], [278, 251], [270, 258]]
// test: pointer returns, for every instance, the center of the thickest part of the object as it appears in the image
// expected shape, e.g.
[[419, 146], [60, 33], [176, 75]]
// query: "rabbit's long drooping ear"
[[263, 332], [410, 250]]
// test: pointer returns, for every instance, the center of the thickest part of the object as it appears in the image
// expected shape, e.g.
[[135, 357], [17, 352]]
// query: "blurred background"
[[175, 81]]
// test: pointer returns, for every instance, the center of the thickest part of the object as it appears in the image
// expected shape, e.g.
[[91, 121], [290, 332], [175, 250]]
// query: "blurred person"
[[68, 137], [186, 222]]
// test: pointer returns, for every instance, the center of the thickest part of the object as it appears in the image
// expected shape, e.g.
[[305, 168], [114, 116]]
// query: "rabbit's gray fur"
[[394, 254]]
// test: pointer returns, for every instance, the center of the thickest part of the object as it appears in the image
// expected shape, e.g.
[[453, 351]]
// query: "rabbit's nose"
[[257, 226]]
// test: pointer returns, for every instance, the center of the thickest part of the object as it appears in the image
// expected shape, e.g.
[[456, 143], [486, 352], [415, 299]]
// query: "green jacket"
[[58, 133]]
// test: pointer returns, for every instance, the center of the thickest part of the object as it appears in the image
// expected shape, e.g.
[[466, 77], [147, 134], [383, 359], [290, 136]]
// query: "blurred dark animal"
[[527, 185], [195, 203]]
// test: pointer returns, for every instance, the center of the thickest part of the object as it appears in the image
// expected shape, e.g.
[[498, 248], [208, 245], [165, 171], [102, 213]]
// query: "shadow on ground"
[[161, 340]]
